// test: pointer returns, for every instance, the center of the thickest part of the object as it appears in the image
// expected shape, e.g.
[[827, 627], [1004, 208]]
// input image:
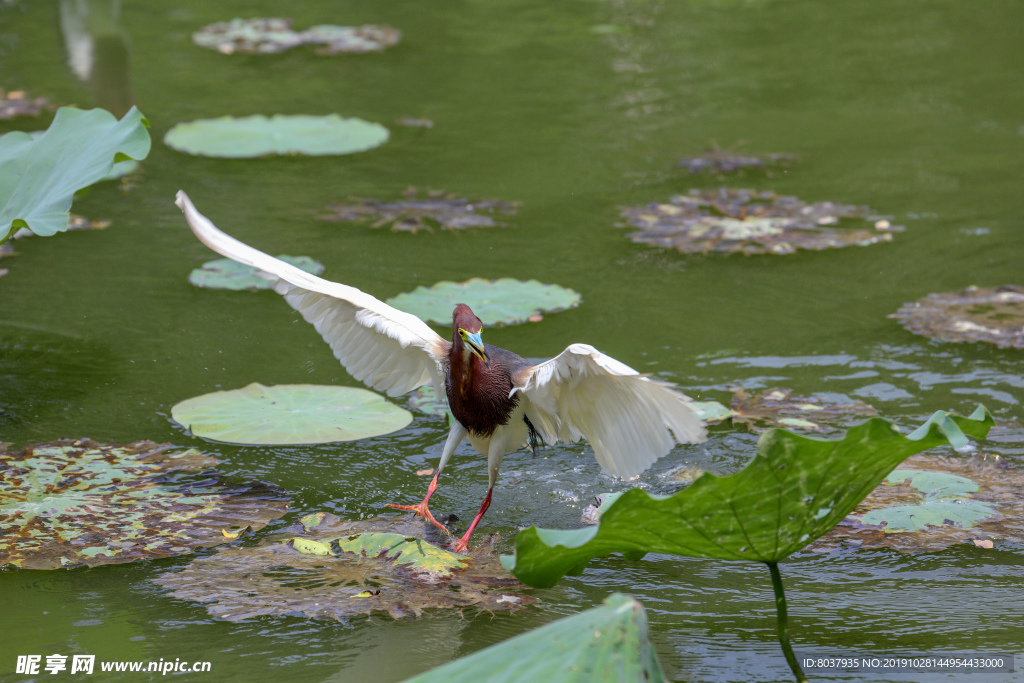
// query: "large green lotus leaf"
[[313, 576], [257, 136], [607, 643], [496, 302], [40, 174], [415, 213], [290, 414], [750, 222], [410, 552], [80, 502], [793, 491], [992, 315], [227, 273], [934, 501]]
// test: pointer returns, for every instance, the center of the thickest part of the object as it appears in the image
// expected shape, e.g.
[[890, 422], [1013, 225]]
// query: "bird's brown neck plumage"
[[478, 394]]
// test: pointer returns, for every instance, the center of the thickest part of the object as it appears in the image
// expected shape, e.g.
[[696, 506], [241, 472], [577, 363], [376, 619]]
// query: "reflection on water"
[[97, 50]]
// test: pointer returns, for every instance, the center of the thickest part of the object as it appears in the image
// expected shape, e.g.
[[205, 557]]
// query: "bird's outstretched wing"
[[629, 420], [389, 350]]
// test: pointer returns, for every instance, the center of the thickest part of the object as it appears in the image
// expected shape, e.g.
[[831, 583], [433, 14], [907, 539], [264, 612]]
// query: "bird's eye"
[[462, 333]]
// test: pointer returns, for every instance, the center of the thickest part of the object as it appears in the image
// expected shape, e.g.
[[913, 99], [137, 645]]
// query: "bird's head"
[[466, 329]]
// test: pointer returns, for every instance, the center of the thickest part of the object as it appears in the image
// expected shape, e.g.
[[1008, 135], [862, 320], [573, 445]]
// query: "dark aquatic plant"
[[794, 490]]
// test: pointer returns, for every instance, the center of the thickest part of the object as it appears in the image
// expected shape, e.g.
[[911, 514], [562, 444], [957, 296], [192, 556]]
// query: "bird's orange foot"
[[460, 546], [421, 510]]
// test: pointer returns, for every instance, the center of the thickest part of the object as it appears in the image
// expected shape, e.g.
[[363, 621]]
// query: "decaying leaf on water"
[[993, 315], [78, 502], [719, 161], [783, 408], [935, 501], [274, 35], [16, 103], [75, 222], [751, 222], [410, 122], [333, 568], [415, 213]]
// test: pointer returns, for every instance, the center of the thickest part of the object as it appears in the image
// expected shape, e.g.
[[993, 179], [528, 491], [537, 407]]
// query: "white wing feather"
[[629, 420], [389, 350]]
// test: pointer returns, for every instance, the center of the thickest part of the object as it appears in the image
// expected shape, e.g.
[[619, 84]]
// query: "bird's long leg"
[[455, 437], [495, 452], [463, 543]]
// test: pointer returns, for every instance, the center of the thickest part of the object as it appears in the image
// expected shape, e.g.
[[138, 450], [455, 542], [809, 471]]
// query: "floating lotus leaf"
[[84, 503], [751, 222], [226, 273], [794, 490], [496, 302], [338, 577], [606, 644], [16, 103], [426, 400], [289, 414], [719, 161], [40, 174], [711, 412], [783, 408], [994, 315], [414, 213], [935, 501], [270, 36], [257, 136]]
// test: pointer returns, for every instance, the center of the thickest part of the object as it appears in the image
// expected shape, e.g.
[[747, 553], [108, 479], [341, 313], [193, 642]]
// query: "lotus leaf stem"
[[783, 622]]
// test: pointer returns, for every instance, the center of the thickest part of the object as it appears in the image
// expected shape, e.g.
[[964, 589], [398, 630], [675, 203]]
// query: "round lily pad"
[[274, 35], [382, 564], [935, 501], [256, 136], [783, 408], [226, 273], [415, 213], [290, 414], [426, 401], [80, 502], [496, 302], [993, 315], [752, 222]]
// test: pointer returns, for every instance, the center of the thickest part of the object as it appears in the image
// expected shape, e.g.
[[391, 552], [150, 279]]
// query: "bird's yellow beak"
[[476, 345]]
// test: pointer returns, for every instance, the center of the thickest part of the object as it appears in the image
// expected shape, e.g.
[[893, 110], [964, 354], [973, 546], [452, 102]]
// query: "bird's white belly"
[[514, 434]]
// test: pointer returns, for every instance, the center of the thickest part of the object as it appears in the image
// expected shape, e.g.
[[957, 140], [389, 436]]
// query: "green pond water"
[[574, 109]]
